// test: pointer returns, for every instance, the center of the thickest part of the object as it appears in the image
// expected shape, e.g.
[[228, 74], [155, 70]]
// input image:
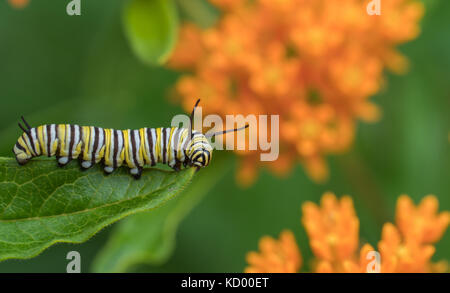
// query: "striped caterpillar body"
[[133, 148]]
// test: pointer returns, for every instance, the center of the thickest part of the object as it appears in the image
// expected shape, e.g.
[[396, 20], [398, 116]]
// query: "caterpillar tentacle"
[[133, 148]]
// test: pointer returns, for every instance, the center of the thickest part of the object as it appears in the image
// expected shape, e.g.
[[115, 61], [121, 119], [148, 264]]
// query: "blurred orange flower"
[[333, 232], [421, 224], [18, 3], [313, 62], [277, 256], [332, 228]]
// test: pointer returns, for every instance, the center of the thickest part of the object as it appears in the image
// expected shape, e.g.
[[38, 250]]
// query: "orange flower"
[[407, 247], [191, 37], [276, 256], [315, 63], [403, 257], [333, 231], [18, 3], [421, 224]]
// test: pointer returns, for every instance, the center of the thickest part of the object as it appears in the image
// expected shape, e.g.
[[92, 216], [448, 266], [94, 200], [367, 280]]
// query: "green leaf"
[[151, 28], [41, 204], [149, 238]]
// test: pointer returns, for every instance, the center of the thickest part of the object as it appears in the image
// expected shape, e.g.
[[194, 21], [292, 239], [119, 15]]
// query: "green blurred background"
[[60, 69]]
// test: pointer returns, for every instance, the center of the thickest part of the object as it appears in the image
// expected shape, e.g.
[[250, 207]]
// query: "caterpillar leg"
[[62, 161], [176, 167], [108, 169], [136, 172], [86, 165]]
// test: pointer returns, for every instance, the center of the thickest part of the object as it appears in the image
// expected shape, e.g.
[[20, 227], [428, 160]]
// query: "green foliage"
[[41, 204], [151, 27], [149, 238]]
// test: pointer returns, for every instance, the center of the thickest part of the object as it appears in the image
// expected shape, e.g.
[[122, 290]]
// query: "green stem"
[[362, 179]]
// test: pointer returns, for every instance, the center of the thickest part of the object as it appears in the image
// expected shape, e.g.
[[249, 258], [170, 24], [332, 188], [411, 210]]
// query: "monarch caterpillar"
[[135, 148]]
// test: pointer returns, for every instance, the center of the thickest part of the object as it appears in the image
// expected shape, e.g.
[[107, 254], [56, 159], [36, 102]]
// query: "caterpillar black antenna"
[[26, 123], [226, 131], [192, 118], [23, 128]]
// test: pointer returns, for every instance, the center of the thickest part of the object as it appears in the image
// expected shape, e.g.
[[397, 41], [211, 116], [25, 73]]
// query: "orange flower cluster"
[[313, 62], [333, 231]]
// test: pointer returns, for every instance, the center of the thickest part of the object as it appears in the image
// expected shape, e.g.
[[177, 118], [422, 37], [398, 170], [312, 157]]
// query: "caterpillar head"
[[199, 150]]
